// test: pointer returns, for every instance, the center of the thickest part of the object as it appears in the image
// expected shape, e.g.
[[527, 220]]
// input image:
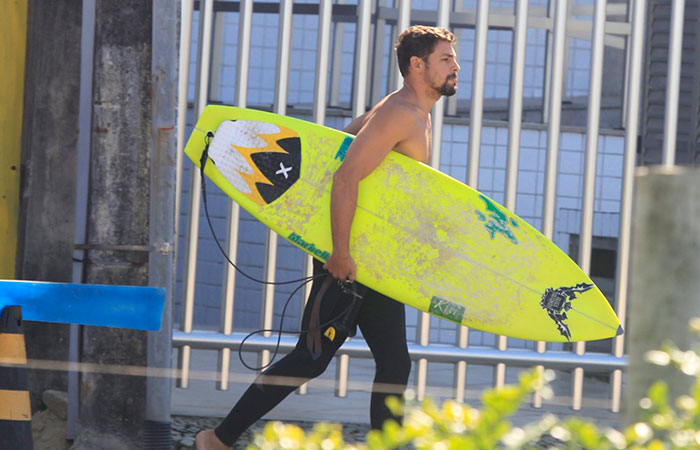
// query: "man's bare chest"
[[418, 144]]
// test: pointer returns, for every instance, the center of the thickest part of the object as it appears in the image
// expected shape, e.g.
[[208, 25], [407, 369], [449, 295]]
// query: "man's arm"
[[355, 125], [387, 126]]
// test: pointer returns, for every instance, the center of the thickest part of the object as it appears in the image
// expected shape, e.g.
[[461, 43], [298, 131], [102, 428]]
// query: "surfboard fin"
[[619, 331]]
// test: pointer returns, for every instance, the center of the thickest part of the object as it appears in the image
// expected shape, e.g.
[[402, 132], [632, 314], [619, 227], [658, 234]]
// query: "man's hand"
[[341, 267]]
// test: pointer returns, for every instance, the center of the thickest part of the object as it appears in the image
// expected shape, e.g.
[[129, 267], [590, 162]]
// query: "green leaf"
[[658, 394]]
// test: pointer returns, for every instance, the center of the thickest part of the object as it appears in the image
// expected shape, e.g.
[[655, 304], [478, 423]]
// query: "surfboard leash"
[[357, 298], [348, 288], [202, 163]]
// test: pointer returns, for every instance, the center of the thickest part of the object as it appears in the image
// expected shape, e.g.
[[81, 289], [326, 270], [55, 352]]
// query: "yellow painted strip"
[[14, 405], [13, 22], [12, 349]]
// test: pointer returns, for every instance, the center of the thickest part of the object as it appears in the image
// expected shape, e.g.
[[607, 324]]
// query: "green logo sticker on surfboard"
[[342, 151], [309, 246], [446, 309], [496, 220]]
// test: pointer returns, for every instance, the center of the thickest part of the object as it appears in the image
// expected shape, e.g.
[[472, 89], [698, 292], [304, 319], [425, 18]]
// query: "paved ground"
[[202, 399]]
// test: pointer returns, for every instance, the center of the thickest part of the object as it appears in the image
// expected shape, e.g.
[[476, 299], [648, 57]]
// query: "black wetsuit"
[[383, 325]]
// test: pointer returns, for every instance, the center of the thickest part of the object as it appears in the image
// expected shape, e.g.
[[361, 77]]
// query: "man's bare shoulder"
[[393, 113], [396, 107]]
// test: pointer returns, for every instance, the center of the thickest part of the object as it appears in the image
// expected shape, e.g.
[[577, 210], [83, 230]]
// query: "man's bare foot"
[[207, 440]]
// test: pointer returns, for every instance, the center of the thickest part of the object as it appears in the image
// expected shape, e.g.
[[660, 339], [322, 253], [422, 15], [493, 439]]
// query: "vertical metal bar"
[[319, 112], [87, 47], [284, 43], [341, 387], [452, 106], [549, 56], [359, 105], [404, 22], [362, 53], [240, 100], [245, 21], [452, 101], [631, 131], [186, 8], [594, 95], [216, 56], [673, 82], [422, 363], [205, 46], [308, 272], [552, 113], [438, 114], [460, 373], [477, 104], [628, 63], [227, 300], [515, 120], [555, 43], [394, 73], [567, 54], [161, 267], [554, 124], [322, 58], [477, 113], [460, 369], [337, 62], [268, 297], [377, 49], [341, 372], [205, 26], [443, 20], [515, 116], [226, 320], [373, 49]]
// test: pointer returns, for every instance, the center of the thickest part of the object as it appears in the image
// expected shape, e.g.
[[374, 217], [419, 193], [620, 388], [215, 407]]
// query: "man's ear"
[[417, 63]]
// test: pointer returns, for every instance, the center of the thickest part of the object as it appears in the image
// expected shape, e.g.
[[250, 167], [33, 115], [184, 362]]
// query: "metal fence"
[[374, 23]]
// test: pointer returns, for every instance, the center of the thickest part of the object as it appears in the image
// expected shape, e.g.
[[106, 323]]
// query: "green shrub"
[[455, 426]]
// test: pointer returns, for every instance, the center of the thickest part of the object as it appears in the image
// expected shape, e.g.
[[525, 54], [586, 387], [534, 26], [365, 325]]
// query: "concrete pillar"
[[48, 171], [161, 264], [113, 404], [664, 277]]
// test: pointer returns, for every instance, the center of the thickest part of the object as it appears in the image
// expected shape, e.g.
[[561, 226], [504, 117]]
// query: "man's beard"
[[448, 89]]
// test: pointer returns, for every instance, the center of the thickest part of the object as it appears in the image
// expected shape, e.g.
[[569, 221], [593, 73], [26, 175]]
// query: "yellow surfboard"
[[419, 236]]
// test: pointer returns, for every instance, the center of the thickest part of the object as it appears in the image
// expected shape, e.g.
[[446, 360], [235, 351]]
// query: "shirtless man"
[[399, 122]]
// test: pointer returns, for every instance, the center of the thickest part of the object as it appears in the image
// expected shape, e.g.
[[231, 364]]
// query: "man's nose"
[[456, 67]]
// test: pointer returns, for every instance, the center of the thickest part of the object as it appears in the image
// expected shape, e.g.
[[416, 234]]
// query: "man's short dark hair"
[[420, 41]]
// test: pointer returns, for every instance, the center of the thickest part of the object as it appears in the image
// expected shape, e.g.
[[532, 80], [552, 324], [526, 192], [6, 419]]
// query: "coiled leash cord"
[[348, 288]]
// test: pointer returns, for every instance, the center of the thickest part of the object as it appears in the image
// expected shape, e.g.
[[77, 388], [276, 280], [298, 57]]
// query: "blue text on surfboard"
[[308, 246]]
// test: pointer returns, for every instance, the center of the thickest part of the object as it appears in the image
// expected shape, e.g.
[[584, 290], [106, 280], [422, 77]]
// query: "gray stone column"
[[664, 277], [113, 400], [49, 160]]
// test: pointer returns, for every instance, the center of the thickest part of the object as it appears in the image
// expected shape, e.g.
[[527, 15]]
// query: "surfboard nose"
[[261, 160]]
